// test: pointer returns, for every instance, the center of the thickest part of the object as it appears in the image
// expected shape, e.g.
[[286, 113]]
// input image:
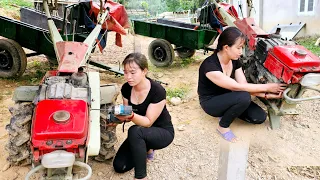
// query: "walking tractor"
[[266, 57], [269, 58], [60, 123]]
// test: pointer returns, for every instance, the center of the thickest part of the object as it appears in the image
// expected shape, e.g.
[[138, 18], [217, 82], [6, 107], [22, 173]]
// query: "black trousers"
[[233, 105], [133, 151]]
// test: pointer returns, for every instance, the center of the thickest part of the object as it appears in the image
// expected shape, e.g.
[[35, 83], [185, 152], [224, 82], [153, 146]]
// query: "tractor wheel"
[[108, 139], [185, 52], [13, 60], [19, 131], [161, 53]]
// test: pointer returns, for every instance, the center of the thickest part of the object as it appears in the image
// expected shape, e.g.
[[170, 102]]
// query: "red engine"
[[61, 117], [60, 124], [275, 59], [290, 63]]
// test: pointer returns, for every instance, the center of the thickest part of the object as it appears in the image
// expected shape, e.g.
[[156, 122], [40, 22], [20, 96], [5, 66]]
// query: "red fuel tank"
[[290, 63], [60, 124]]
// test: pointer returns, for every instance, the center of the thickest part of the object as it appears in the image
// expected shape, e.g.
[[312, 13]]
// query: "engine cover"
[[290, 63], [60, 124]]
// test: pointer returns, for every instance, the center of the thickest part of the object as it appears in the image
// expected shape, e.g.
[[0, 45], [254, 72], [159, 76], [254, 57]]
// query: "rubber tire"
[[19, 130], [108, 139], [185, 52], [19, 58], [166, 48]]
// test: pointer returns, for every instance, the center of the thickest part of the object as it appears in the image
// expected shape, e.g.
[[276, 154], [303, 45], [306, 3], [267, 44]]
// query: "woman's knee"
[[118, 166], [244, 98], [259, 119], [134, 132]]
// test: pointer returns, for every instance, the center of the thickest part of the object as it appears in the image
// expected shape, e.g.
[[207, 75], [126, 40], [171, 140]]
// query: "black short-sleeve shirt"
[[206, 88], [156, 94]]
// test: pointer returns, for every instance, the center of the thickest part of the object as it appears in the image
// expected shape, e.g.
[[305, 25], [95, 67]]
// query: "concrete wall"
[[269, 13], [284, 12]]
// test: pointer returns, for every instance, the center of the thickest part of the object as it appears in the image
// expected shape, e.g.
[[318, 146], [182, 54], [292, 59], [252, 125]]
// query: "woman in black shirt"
[[223, 89], [153, 128]]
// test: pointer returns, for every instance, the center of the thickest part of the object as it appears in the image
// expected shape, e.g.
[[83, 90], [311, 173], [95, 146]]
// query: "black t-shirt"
[[206, 88], [156, 94]]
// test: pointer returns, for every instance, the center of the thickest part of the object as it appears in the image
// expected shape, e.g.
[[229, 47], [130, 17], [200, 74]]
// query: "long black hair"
[[228, 37]]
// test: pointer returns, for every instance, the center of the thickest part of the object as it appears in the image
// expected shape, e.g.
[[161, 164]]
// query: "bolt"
[[49, 143]]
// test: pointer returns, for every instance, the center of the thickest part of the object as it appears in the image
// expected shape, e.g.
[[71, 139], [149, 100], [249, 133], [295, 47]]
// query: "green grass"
[[186, 61], [9, 4], [180, 92], [32, 76], [183, 62], [308, 42]]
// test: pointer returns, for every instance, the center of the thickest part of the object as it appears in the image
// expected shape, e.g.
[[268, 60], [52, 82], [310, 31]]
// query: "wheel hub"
[[159, 53], [5, 60]]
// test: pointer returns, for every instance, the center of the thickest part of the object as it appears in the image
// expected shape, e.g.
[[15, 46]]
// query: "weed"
[[7, 93], [308, 42], [180, 92], [186, 61], [9, 4], [153, 68]]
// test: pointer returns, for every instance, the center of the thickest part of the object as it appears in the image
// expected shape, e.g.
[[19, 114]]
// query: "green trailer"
[[186, 37], [13, 59], [16, 34]]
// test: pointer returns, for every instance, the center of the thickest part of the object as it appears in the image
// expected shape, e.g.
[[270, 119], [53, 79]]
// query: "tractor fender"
[[25, 93], [108, 93]]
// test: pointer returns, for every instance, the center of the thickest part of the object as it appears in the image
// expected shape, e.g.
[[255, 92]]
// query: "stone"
[[175, 101], [160, 74], [297, 125], [6, 167], [181, 128]]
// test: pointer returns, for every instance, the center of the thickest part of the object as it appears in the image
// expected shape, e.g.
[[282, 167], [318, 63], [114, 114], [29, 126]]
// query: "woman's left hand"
[[124, 118], [274, 96]]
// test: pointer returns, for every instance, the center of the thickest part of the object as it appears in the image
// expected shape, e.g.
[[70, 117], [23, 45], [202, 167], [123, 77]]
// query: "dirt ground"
[[291, 152]]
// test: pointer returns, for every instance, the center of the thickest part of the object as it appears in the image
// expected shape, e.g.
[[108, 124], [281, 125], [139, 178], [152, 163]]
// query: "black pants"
[[233, 105], [133, 151]]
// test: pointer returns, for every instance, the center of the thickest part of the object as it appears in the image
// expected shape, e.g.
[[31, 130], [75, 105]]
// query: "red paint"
[[287, 55], [71, 54], [118, 19], [247, 26], [230, 9], [45, 128], [285, 64]]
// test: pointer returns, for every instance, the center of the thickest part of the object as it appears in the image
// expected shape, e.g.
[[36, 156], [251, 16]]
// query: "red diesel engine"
[[290, 63], [278, 61], [59, 124], [61, 117]]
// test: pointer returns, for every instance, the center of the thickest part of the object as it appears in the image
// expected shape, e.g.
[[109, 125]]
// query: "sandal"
[[229, 136], [150, 156]]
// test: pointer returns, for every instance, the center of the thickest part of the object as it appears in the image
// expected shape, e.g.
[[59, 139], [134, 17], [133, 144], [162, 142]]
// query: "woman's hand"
[[276, 88], [274, 96], [125, 118], [112, 124]]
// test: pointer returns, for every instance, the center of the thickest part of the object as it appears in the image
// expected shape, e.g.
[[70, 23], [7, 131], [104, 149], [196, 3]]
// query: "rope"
[[48, 39]]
